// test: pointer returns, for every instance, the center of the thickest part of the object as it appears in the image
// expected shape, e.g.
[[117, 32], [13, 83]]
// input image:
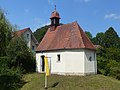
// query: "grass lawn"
[[35, 81]]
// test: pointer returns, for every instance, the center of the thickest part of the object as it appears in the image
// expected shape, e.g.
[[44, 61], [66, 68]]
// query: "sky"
[[92, 15]]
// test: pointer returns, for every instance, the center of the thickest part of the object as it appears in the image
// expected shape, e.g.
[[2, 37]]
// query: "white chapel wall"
[[56, 66], [74, 62], [71, 62], [90, 62]]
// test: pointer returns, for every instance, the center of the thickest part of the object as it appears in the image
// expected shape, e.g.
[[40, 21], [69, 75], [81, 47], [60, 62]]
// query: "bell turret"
[[55, 18]]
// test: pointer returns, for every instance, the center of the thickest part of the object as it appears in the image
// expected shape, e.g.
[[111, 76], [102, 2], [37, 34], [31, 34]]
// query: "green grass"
[[35, 81]]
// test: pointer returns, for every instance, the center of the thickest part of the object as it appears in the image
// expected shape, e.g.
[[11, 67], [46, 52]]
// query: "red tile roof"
[[20, 32], [68, 36], [55, 14]]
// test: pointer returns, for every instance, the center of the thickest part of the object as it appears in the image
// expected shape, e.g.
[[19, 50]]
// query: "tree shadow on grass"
[[10, 82], [54, 85]]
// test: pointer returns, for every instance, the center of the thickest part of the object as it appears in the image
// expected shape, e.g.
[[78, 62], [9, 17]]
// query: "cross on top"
[[55, 7]]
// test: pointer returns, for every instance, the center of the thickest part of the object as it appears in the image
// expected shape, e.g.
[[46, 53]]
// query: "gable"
[[27, 34]]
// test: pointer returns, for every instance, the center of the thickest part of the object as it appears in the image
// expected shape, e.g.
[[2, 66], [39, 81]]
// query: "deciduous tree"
[[5, 33]]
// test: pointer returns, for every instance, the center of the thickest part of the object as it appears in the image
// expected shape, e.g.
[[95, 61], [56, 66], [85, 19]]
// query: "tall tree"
[[5, 30], [9, 76], [99, 39], [111, 38]]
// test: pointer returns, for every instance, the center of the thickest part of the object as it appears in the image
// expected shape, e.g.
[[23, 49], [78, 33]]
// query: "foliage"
[[10, 78], [108, 61], [39, 33], [108, 39], [5, 31], [99, 39], [115, 71], [20, 55], [18, 59], [14, 57], [89, 35], [108, 55], [111, 38], [4, 64], [101, 63], [113, 53]]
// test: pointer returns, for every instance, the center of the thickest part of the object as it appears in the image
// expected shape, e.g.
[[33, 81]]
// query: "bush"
[[4, 64], [10, 78], [101, 63], [115, 71]]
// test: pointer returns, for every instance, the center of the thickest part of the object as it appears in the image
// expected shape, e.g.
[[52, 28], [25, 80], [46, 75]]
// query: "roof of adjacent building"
[[21, 32], [67, 36]]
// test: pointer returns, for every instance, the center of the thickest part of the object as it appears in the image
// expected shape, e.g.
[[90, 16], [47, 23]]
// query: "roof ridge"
[[80, 29]]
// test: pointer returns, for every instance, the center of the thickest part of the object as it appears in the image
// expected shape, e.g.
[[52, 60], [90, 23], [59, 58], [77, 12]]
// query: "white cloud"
[[112, 16]]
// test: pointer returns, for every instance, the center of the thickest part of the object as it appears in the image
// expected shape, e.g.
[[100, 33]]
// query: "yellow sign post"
[[47, 70]]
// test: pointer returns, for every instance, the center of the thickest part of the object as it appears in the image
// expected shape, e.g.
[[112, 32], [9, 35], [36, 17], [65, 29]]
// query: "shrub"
[[115, 71], [10, 78]]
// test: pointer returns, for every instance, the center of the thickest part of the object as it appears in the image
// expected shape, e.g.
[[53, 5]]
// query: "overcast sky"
[[92, 15]]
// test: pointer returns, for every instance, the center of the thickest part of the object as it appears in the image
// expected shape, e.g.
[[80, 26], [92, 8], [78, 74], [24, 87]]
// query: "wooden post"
[[47, 71], [45, 81]]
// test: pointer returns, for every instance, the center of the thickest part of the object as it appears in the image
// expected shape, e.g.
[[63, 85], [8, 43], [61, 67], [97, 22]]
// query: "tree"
[[20, 55], [111, 38], [5, 33], [99, 39], [113, 53], [108, 54], [10, 77]]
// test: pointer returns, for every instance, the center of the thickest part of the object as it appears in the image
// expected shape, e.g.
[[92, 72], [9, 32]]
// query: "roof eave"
[[37, 51]]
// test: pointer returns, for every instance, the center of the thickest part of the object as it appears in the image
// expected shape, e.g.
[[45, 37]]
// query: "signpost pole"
[[45, 81]]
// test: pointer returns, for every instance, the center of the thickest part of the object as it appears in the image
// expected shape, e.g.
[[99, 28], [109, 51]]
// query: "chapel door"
[[42, 63]]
